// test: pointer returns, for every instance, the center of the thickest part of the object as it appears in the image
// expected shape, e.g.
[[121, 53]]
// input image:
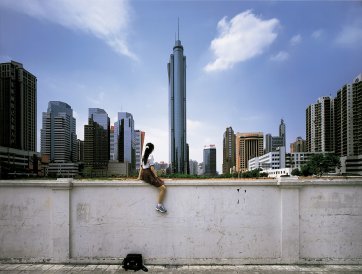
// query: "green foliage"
[[296, 172], [255, 173], [228, 175], [319, 164], [185, 176]]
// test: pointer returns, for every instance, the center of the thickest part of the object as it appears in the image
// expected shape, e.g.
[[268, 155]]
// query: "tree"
[[255, 173], [306, 170], [296, 172], [319, 164]]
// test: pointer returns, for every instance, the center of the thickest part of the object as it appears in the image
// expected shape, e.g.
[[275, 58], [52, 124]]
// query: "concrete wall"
[[208, 222]]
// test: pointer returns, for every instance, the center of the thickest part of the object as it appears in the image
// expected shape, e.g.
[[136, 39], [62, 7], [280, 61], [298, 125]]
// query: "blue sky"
[[249, 63]]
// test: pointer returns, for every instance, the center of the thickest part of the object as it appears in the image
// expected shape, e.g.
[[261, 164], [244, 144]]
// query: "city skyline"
[[120, 65]]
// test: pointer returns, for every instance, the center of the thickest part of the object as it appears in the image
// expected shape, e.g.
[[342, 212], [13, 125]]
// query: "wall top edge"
[[287, 182]]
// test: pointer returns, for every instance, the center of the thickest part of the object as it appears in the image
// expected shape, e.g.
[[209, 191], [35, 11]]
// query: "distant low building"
[[16, 161], [62, 170], [116, 168], [200, 169], [277, 163], [193, 167], [351, 165], [299, 145]]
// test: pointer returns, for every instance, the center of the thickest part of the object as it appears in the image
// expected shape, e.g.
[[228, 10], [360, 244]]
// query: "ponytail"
[[148, 151]]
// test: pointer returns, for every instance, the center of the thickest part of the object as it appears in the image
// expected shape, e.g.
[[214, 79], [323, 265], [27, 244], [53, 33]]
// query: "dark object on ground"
[[134, 262]]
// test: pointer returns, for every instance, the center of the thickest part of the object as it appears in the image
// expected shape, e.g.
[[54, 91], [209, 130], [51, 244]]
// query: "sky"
[[249, 63]]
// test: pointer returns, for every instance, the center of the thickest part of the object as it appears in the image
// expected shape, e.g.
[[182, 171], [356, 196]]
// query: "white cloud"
[[317, 34], [296, 39], [350, 36], [243, 37], [106, 20], [193, 125], [280, 56]]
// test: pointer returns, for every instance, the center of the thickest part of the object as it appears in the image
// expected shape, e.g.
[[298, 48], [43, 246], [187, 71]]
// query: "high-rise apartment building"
[[210, 160], [58, 134], [357, 115], [97, 139], [248, 146], [139, 137], [320, 125], [177, 110], [18, 107], [124, 148], [228, 151], [348, 119], [298, 146]]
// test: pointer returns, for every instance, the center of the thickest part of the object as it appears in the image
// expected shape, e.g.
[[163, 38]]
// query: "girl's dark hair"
[[148, 151]]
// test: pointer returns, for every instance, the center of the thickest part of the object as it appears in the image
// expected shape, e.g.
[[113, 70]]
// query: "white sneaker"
[[161, 208]]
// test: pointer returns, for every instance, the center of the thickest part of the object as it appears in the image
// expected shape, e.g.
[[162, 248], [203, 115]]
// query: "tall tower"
[[17, 107], [177, 109], [228, 151], [282, 131], [58, 135]]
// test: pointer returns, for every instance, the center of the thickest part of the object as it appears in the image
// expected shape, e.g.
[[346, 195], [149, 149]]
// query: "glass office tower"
[[177, 109]]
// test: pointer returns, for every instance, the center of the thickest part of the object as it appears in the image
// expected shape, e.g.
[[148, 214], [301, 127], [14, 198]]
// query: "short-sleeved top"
[[150, 162]]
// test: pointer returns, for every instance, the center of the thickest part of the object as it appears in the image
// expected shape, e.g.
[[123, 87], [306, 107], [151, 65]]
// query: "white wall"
[[217, 222]]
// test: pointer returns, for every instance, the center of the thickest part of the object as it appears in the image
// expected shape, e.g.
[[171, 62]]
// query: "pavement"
[[248, 269]]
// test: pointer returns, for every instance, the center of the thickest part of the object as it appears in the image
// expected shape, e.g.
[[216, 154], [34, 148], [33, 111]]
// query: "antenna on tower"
[[178, 28]]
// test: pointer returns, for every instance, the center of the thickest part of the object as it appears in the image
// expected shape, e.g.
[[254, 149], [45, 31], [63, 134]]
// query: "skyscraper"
[[228, 150], [58, 134], [210, 160], [18, 95], [124, 149], [282, 133], [97, 139], [177, 109], [320, 125], [248, 146]]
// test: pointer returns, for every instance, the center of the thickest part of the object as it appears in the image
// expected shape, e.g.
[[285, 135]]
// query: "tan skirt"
[[148, 176]]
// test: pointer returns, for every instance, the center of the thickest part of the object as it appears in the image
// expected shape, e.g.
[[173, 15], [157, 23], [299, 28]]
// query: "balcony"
[[208, 221]]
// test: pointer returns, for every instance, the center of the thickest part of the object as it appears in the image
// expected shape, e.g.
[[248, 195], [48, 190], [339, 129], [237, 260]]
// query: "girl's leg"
[[162, 193]]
